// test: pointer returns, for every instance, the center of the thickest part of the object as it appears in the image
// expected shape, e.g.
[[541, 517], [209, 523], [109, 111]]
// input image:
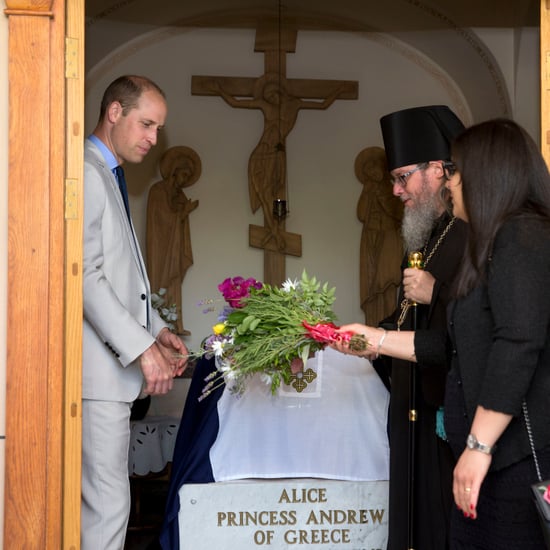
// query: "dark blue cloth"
[[121, 180], [191, 461]]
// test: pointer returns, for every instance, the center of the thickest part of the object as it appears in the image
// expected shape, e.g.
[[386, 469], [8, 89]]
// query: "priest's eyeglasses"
[[403, 179], [449, 169]]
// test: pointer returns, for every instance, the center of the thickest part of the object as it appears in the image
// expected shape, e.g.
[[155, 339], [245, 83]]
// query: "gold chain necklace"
[[406, 303]]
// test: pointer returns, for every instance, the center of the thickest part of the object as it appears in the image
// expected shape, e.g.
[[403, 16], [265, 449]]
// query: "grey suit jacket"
[[119, 322]]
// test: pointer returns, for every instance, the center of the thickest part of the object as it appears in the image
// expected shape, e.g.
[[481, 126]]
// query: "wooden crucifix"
[[280, 100]]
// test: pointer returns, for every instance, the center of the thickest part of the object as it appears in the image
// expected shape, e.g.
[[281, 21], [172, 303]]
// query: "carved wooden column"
[[33, 507]]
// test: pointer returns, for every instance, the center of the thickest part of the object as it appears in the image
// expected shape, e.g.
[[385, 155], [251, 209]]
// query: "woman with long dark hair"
[[499, 330]]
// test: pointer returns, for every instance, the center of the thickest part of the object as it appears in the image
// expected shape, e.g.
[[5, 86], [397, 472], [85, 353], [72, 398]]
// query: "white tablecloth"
[[336, 428], [152, 443]]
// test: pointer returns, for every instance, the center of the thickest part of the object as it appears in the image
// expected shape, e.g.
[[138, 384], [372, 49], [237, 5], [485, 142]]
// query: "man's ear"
[[114, 112], [438, 168]]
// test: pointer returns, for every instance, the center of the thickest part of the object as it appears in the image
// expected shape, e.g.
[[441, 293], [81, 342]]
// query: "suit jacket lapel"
[[110, 177]]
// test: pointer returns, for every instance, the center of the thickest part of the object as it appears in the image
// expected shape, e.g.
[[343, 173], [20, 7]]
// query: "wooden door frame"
[[44, 318]]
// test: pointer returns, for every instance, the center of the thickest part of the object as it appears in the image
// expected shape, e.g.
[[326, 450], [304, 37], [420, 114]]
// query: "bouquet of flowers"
[[270, 330]]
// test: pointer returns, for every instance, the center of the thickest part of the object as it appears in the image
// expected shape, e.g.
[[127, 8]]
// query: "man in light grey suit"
[[127, 349]]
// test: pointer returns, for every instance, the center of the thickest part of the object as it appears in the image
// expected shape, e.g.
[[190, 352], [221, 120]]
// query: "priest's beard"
[[419, 219]]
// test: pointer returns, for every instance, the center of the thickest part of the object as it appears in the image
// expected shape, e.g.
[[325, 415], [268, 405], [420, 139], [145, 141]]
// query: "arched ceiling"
[[386, 16], [439, 29]]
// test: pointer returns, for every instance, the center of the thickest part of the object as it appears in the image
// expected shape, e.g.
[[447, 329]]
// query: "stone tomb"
[[282, 514]]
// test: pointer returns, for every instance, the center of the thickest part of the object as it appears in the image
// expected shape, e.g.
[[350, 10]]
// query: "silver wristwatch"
[[475, 445]]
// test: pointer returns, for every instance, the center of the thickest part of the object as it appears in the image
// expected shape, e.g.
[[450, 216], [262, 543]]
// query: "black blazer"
[[500, 339]]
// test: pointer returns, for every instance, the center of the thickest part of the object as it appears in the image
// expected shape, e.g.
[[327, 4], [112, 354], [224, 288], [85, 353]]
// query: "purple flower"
[[224, 313]]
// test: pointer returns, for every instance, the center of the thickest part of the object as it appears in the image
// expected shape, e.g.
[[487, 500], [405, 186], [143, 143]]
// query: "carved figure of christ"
[[280, 100]]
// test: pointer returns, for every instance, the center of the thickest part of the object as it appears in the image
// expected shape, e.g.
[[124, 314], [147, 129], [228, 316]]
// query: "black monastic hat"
[[419, 134]]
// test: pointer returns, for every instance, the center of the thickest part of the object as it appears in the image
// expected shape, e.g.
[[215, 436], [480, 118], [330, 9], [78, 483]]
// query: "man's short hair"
[[127, 90]]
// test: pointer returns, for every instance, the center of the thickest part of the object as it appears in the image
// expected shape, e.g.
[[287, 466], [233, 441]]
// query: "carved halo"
[[174, 156]]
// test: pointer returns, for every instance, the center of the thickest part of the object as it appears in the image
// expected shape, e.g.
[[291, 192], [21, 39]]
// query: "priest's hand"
[[418, 285]]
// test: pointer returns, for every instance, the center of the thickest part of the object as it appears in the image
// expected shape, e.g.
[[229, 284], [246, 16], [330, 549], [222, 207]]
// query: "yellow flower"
[[219, 328]]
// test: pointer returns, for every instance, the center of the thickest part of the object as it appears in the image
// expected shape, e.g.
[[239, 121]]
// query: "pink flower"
[[546, 495], [236, 288]]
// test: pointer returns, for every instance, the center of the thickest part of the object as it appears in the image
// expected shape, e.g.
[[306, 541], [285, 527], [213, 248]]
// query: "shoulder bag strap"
[[530, 436]]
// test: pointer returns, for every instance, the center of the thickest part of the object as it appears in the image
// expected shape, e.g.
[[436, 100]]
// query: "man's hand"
[[157, 371], [174, 351], [418, 285]]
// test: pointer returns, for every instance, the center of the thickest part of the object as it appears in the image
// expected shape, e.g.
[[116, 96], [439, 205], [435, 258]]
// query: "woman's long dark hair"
[[503, 175]]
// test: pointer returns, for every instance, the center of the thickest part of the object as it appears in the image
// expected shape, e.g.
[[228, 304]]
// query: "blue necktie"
[[121, 180]]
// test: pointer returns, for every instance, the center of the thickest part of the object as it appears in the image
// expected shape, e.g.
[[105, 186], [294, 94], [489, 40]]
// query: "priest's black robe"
[[433, 459]]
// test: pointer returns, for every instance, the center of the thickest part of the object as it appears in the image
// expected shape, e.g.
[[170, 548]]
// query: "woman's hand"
[[473, 465], [372, 336], [469, 473]]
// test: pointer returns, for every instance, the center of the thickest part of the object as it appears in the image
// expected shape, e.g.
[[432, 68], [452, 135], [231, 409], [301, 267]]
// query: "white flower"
[[217, 347], [266, 378], [168, 314], [230, 374], [289, 285], [227, 370]]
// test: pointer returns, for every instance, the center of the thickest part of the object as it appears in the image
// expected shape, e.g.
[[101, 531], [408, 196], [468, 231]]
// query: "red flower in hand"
[[328, 333]]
